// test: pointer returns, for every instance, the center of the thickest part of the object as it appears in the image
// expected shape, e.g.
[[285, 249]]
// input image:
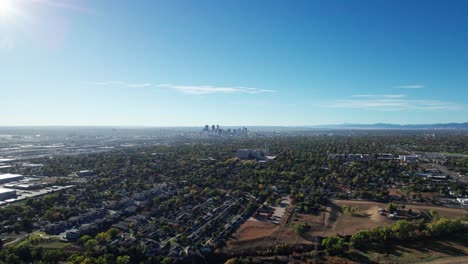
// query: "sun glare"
[[6, 9]]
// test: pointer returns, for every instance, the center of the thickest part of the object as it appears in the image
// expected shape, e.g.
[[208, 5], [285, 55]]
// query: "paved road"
[[449, 172], [439, 167]]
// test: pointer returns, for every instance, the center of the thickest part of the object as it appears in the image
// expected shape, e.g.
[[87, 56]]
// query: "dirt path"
[[15, 241], [443, 211]]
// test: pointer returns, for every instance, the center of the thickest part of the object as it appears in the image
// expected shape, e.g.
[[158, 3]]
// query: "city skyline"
[[181, 63]]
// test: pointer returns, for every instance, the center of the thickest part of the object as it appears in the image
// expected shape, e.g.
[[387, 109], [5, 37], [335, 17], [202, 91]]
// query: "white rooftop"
[[9, 175], [4, 190]]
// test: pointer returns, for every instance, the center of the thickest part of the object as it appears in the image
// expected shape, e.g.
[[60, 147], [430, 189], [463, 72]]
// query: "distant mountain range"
[[397, 126]]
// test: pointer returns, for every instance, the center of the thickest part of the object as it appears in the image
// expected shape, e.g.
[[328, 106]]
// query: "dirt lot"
[[369, 216], [258, 236], [442, 211], [255, 235], [332, 220], [254, 229]]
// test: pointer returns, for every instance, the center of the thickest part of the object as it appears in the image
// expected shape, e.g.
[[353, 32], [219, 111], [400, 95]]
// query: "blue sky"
[[187, 63]]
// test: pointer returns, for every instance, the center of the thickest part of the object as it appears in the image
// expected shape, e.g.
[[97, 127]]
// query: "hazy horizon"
[[230, 125]]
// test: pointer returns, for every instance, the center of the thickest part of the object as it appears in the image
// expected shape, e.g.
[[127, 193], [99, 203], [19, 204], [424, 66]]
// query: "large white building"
[[6, 194], [6, 178], [409, 158], [463, 201]]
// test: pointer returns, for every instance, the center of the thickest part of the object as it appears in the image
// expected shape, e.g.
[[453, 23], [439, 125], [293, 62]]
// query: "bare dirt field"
[[367, 217], [255, 229], [260, 235], [442, 211], [332, 220]]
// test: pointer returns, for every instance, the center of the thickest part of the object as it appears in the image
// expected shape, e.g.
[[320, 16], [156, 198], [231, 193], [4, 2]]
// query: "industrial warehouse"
[[6, 178]]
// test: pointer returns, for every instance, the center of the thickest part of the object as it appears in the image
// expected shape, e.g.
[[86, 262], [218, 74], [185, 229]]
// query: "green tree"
[[402, 229], [52, 256], [166, 260], [444, 226], [433, 213], [102, 238], [360, 239], [13, 259], [392, 207], [84, 239], [113, 232], [123, 259], [333, 245], [91, 244], [300, 228], [23, 251]]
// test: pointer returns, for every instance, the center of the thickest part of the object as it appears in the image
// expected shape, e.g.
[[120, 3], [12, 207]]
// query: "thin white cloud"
[[394, 104], [416, 86], [139, 85], [379, 95], [122, 83], [206, 89], [64, 5], [108, 83]]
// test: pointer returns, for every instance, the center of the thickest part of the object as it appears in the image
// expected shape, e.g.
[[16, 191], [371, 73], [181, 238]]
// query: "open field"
[[252, 230], [452, 250], [442, 211], [333, 220], [369, 216], [259, 235]]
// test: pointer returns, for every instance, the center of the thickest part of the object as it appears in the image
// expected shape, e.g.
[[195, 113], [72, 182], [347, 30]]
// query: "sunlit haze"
[[6, 9], [233, 131], [186, 63]]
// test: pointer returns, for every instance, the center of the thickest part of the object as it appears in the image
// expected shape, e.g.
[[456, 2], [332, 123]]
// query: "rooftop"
[[9, 175], [3, 190]]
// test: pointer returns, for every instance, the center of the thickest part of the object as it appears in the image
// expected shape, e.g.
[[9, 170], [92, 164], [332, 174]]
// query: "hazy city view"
[[233, 131]]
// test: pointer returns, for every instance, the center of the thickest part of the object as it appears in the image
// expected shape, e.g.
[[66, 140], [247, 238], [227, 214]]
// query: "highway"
[[443, 169], [452, 174]]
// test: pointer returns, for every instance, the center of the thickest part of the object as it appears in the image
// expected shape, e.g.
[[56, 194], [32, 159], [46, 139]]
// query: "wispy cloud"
[[385, 103], [69, 4], [379, 95], [108, 83], [122, 83], [206, 89], [187, 89], [416, 86], [139, 85]]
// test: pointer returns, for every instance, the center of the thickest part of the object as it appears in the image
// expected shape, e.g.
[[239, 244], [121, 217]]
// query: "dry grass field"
[[256, 235]]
